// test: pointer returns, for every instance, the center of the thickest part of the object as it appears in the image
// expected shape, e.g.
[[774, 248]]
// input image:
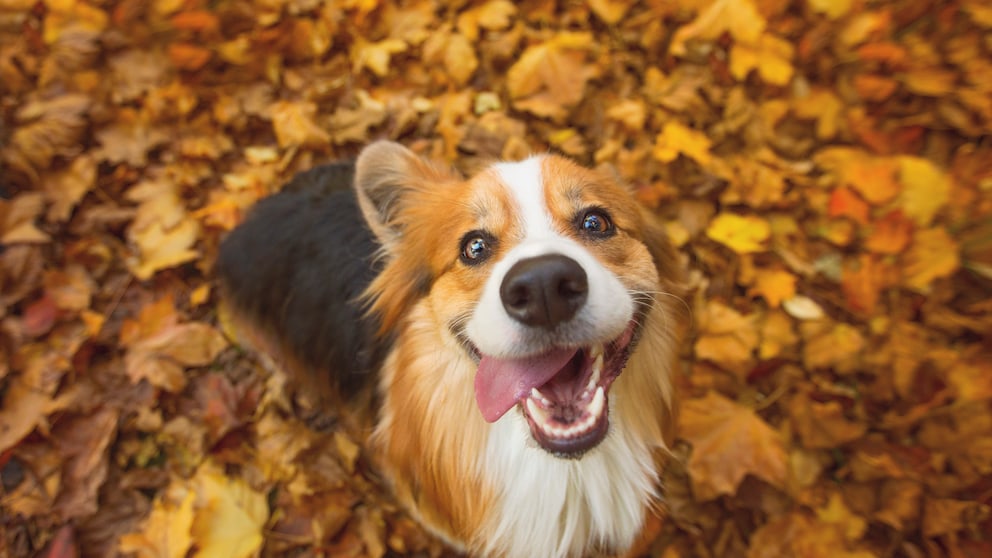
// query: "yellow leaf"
[[375, 56], [676, 138], [926, 189], [460, 59], [933, 254], [740, 18], [741, 233], [166, 532], [837, 513], [774, 286], [833, 9], [230, 515], [771, 57], [610, 11], [550, 78], [293, 123]]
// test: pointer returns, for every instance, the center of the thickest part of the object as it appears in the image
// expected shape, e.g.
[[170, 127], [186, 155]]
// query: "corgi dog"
[[510, 338]]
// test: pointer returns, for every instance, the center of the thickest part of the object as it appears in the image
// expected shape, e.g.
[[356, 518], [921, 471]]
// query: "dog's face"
[[541, 271]]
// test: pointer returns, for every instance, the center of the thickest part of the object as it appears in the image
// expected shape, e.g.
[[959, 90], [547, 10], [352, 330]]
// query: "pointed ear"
[[386, 175]]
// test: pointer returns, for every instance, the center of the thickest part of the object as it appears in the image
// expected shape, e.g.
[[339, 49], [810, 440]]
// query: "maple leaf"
[[550, 78], [798, 534], [162, 230], [770, 56], [26, 398], [727, 338], [774, 286], [47, 128], [926, 189], [230, 515], [933, 254], [375, 56], [293, 123], [743, 234], [17, 219], [167, 531], [823, 425], [729, 441], [676, 138], [740, 18], [159, 347]]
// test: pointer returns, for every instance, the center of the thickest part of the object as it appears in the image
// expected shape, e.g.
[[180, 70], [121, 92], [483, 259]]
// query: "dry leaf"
[[728, 442], [743, 234]]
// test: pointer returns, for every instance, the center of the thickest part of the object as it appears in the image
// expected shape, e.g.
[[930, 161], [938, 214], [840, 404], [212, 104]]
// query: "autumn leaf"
[[676, 139], [823, 425], [730, 441], [741, 233], [933, 254], [159, 347], [774, 286], [770, 56], [740, 19], [550, 78], [375, 56], [293, 123], [727, 338], [926, 189]]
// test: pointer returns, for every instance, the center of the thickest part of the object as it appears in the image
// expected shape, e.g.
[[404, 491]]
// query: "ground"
[[823, 166]]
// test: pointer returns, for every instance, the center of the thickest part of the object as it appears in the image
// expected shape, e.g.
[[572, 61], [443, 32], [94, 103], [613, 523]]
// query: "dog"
[[511, 338]]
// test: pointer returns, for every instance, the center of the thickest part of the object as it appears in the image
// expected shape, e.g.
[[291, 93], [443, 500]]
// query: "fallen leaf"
[[926, 189], [739, 18], [774, 286], [729, 441], [727, 338], [294, 125], [229, 515], [823, 425], [743, 234], [550, 78], [770, 56], [933, 254], [676, 138]]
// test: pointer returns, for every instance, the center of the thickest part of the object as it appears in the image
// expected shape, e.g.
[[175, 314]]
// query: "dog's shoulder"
[[297, 267]]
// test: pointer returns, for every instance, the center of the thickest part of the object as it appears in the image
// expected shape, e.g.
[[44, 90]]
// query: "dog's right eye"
[[476, 247]]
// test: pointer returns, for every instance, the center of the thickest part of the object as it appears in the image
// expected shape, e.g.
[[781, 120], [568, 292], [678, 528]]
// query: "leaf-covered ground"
[[824, 166]]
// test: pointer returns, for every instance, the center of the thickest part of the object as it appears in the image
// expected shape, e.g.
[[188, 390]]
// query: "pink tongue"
[[500, 383]]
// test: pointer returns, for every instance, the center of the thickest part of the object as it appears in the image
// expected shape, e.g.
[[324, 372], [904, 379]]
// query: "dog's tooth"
[[539, 415], [597, 369], [598, 402], [596, 350], [535, 394]]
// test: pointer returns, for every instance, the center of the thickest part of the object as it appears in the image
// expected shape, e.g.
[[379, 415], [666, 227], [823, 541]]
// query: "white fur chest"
[[563, 507]]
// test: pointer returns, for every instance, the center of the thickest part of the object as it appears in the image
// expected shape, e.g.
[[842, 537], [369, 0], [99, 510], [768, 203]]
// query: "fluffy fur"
[[425, 277]]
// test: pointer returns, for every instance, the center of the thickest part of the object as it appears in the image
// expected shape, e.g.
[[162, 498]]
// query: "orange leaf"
[[196, 20], [186, 56], [845, 203], [550, 78], [890, 234], [774, 286], [730, 441]]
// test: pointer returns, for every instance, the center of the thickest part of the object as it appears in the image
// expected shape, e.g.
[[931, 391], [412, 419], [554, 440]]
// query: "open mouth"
[[563, 393]]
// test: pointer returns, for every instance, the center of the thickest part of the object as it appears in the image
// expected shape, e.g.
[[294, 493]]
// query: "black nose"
[[544, 291]]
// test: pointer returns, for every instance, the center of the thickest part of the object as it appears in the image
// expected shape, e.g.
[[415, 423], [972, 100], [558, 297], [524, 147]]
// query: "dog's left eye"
[[596, 222]]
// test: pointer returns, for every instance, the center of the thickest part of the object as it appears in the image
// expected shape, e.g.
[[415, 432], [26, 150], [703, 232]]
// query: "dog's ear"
[[386, 175]]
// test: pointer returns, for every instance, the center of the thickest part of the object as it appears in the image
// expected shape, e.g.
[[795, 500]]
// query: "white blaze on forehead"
[[525, 182]]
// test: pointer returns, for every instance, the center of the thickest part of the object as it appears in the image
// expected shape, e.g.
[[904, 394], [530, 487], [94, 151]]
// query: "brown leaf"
[[729, 441], [823, 425], [83, 442]]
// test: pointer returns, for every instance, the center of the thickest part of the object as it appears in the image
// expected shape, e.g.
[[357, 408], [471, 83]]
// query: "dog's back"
[[298, 265]]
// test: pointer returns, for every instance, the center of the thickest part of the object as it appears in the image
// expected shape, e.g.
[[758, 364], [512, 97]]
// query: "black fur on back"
[[297, 266]]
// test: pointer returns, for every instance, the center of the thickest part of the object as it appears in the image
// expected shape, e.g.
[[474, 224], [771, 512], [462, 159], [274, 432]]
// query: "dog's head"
[[541, 271]]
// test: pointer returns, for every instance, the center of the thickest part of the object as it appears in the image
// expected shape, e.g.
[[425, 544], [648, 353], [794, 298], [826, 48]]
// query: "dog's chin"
[[569, 414]]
